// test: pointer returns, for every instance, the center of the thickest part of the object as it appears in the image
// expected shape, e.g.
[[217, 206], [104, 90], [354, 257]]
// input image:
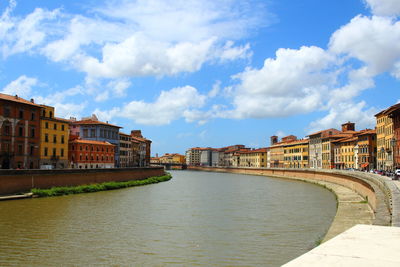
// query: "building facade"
[[384, 142], [256, 158], [54, 136], [315, 147], [89, 154], [142, 149], [91, 128], [296, 154], [20, 133], [125, 151]]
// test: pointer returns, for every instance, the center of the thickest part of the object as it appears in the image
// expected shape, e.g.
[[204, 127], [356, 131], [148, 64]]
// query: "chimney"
[[16, 96], [274, 140], [32, 100]]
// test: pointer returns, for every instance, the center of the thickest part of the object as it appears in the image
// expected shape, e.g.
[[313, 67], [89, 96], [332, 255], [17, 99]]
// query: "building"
[[256, 158], [388, 134], [276, 151], [155, 161], [142, 147], [89, 154], [296, 154], [125, 151], [20, 133], [366, 150], [54, 136], [91, 128], [174, 158], [385, 140], [315, 147], [193, 156]]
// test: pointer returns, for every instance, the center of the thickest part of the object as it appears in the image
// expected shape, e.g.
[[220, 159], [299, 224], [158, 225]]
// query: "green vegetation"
[[69, 190]]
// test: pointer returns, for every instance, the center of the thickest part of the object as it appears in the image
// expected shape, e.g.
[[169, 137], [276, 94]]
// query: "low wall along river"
[[22, 181]]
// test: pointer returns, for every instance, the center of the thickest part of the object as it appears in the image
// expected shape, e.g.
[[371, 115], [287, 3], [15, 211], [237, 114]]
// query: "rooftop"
[[18, 99]]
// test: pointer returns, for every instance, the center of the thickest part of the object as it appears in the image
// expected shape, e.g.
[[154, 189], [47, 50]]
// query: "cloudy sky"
[[204, 72]]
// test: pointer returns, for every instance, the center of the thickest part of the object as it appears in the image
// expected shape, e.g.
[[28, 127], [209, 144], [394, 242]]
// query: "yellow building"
[[256, 158], [54, 135], [173, 158], [347, 148], [296, 154], [384, 134], [276, 156]]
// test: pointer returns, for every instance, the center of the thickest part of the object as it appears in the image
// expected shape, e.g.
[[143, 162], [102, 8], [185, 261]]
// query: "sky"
[[203, 72]]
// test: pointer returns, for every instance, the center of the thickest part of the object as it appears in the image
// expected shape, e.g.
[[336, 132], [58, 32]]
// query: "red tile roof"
[[17, 99]]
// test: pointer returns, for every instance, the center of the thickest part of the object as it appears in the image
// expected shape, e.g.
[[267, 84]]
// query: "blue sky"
[[203, 72]]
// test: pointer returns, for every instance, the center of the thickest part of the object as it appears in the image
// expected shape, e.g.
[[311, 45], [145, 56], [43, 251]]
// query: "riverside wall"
[[358, 185], [21, 181]]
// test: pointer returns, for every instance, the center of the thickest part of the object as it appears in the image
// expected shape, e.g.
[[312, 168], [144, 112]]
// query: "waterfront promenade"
[[362, 245]]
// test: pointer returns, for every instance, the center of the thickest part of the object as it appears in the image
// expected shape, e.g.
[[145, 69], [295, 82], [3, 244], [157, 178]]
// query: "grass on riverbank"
[[69, 190]]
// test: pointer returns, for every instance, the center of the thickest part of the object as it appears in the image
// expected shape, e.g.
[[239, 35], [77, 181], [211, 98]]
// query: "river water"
[[195, 219]]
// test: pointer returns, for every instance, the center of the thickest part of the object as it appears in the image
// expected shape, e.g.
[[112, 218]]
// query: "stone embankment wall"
[[360, 186], [21, 181]]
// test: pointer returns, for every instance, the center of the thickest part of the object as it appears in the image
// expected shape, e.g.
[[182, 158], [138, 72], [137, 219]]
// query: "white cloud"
[[373, 41], [139, 56], [169, 106], [58, 100], [176, 21], [343, 112], [215, 89], [384, 7], [22, 86], [80, 33], [19, 35], [136, 38], [292, 83]]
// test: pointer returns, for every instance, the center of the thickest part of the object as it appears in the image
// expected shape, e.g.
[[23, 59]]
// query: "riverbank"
[[358, 201], [14, 182], [60, 191]]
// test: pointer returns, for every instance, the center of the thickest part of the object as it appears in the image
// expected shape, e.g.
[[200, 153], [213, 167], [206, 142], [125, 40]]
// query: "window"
[[62, 139], [62, 127], [20, 151], [45, 151], [6, 129], [21, 131], [32, 132], [7, 111], [32, 150], [80, 148], [85, 133], [54, 139], [54, 152], [55, 126], [21, 113], [92, 133], [46, 125], [46, 138], [50, 114], [44, 113], [32, 116], [62, 152]]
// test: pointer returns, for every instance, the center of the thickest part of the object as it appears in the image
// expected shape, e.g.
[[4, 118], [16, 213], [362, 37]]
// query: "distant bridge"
[[174, 166]]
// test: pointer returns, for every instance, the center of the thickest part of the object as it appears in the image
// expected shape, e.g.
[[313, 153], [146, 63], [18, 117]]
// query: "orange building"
[[89, 154], [20, 133]]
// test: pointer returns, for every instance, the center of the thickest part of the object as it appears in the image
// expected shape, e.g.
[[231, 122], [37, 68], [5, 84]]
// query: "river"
[[195, 219]]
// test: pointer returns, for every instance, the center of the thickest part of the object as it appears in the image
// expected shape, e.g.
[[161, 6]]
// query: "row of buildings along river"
[[32, 137], [347, 148]]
